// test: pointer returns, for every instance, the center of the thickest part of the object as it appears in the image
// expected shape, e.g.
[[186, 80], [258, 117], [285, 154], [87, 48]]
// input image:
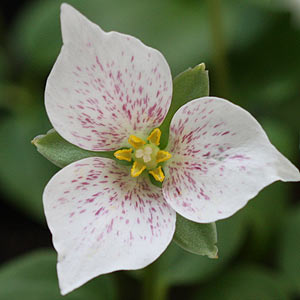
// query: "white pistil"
[[139, 153], [144, 153]]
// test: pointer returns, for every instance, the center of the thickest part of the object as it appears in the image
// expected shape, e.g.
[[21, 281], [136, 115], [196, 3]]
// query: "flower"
[[110, 92]]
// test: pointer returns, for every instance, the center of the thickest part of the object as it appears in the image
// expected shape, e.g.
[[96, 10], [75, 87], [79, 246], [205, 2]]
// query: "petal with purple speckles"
[[105, 86], [103, 220], [221, 158]]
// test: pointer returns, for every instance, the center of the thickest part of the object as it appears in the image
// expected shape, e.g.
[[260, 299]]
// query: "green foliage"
[[38, 24], [24, 173], [289, 249], [195, 237], [3, 64], [282, 137], [180, 267], [60, 152], [33, 277], [247, 282], [176, 266], [265, 214]]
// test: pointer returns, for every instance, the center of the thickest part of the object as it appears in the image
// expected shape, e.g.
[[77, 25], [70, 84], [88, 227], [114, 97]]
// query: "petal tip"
[[286, 170], [73, 23], [66, 8], [35, 140], [201, 67]]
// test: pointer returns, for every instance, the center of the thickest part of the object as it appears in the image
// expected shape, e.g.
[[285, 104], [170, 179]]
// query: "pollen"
[[137, 169], [146, 155], [158, 174], [154, 136], [136, 142], [162, 156], [124, 154]]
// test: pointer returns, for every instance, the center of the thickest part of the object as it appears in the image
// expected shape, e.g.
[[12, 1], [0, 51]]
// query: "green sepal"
[[155, 182], [60, 152], [195, 237], [188, 85]]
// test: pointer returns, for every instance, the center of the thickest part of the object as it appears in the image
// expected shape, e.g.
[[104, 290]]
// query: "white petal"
[[221, 158], [103, 220], [105, 86]]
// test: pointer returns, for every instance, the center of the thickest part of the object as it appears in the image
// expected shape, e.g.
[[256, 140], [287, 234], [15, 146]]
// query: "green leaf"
[[264, 215], [33, 277], [23, 172], [195, 237], [289, 248], [60, 152], [190, 84], [38, 24], [246, 282], [177, 266], [4, 65], [282, 137]]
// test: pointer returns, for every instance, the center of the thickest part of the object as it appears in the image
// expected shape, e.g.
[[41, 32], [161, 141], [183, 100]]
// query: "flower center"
[[145, 155]]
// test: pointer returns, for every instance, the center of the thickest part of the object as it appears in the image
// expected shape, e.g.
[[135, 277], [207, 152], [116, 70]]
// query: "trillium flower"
[[110, 92]]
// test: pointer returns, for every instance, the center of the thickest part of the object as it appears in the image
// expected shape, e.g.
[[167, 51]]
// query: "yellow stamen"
[[158, 174], [135, 141], [162, 156], [137, 169], [154, 136], [123, 154]]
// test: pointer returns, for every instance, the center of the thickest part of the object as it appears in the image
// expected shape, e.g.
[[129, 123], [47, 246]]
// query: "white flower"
[[108, 91]]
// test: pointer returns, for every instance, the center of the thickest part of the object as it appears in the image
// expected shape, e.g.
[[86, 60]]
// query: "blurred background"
[[252, 51]]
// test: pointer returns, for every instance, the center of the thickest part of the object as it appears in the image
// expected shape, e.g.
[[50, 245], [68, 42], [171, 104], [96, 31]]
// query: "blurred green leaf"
[[177, 266], [60, 152], [181, 267], [289, 248], [33, 277], [196, 238], [236, 18], [190, 84], [184, 37], [245, 282], [39, 24], [282, 137], [265, 214], [276, 80], [23, 172], [15, 97], [3, 65]]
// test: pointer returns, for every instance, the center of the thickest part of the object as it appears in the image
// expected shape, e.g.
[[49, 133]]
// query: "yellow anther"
[[137, 169], [123, 154], [135, 141], [162, 156], [154, 136], [158, 174]]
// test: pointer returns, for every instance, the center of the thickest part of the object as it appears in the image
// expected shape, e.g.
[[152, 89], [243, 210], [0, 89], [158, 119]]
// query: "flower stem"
[[153, 287], [219, 47]]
